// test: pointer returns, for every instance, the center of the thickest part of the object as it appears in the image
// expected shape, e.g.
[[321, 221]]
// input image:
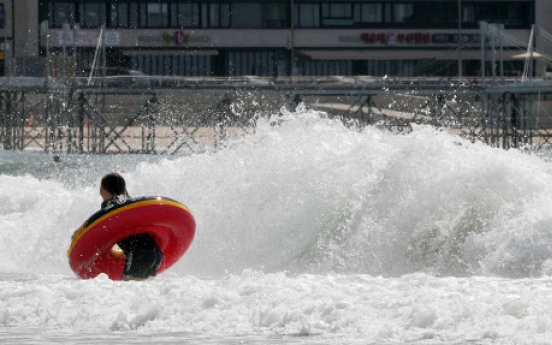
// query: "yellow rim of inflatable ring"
[[83, 229]]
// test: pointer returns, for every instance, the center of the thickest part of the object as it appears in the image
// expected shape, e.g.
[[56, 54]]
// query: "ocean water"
[[307, 233]]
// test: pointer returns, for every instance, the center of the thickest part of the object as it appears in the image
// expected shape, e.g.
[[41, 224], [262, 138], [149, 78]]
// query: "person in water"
[[141, 253]]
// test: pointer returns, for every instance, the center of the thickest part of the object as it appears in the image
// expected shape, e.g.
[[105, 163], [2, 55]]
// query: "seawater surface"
[[307, 233]]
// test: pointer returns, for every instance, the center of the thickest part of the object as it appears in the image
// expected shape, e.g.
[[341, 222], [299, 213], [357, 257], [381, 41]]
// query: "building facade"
[[267, 38]]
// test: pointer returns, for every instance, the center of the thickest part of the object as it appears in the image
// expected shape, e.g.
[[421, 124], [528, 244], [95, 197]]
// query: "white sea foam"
[[306, 228], [321, 309]]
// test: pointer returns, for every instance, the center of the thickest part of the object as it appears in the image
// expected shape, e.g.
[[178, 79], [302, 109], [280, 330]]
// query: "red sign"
[[178, 38], [181, 38]]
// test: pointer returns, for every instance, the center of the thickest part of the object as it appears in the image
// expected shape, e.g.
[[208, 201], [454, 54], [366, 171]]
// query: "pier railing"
[[168, 115]]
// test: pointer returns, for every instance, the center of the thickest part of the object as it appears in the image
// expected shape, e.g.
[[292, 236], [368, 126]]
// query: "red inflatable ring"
[[169, 222]]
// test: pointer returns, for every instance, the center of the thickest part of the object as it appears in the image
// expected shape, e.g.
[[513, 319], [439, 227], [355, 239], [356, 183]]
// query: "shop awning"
[[528, 55]]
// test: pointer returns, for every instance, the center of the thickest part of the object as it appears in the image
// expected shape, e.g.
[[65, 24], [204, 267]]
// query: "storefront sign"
[[87, 39], [350, 39], [150, 39], [178, 38], [169, 38], [453, 38], [394, 38]]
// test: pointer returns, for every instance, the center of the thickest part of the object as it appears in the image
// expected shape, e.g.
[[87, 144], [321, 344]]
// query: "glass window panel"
[[134, 15], [488, 11], [340, 10], [246, 15], [2, 16], [157, 15], [316, 14], [441, 13], [114, 18], [348, 10], [119, 16], [61, 13], [164, 15], [92, 15], [325, 10], [188, 15], [143, 16], [338, 15], [214, 15], [468, 13], [225, 15], [518, 14], [174, 14], [307, 15], [388, 13], [403, 12], [372, 13], [275, 15], [427, 14], [123, 16], [514, 10], [204, 12]]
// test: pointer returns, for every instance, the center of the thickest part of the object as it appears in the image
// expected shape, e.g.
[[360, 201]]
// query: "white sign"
[[87, 39]]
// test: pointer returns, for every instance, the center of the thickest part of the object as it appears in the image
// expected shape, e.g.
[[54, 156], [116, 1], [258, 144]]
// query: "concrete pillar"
[[26, 38], [543, 8], [6, 38]]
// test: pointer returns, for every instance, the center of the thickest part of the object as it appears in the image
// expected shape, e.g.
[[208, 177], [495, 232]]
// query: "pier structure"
[[178, 115], [167, 115]]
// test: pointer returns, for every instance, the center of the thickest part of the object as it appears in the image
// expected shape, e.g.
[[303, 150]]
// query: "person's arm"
[[125, 244]]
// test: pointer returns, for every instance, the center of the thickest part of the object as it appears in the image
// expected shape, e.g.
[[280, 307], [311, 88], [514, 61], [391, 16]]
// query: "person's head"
[[113, 185]]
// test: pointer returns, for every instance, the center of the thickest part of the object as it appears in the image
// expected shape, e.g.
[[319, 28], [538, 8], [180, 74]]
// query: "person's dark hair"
[[114, 184]]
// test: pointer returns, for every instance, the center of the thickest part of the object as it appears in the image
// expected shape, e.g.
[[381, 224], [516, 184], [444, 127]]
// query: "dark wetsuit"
[[143, 255]]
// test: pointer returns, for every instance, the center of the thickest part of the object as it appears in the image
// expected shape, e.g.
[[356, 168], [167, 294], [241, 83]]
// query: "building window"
[[336, 10], [468, 13], [403, 13], [387, 13], [157, 15], [142, 16], [514, 15], [61, 13], [337, 14], [214, 15], [511, 14], [427, 15], [119, 15], [307, 15], [2, 16], [275, 15], [219, 15], [369, 13], [491, 11], [225, 15], [185, 15], [92, 15]]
